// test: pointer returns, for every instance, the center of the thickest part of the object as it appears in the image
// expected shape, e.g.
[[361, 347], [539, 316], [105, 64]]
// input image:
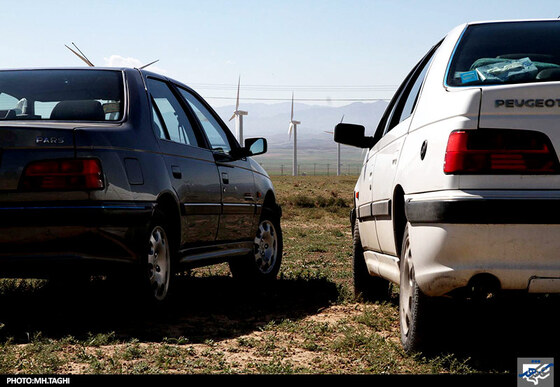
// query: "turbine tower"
[[239, 115], [293, 127], [338, 164]]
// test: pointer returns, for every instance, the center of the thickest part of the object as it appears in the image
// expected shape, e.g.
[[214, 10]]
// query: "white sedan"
[[459, 192]]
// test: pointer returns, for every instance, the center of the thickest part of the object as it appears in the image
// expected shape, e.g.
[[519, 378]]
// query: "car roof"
[[67, 68], [510, 21], [87, 68]]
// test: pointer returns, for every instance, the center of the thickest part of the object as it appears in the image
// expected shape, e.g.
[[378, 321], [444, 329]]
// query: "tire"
[[366, 286], [157, 270], [265, 260], [415, 312]]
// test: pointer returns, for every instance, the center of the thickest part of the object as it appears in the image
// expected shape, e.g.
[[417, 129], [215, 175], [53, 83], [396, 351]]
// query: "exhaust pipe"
[[483, 287]]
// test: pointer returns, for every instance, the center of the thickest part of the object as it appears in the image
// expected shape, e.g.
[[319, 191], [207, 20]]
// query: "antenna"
[[84, 55], [238, 114], [80, 55], [149, 64]]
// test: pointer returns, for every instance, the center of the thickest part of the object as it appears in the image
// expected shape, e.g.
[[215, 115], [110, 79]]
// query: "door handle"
[[395, 157], [176, 171], [225, 178]]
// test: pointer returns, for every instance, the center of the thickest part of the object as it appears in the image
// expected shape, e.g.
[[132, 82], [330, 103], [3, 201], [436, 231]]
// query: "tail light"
[[63, 175], [489, 151]]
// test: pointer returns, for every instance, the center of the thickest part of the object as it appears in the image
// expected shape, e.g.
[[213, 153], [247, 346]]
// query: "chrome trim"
[[203, 208], [238, 208]]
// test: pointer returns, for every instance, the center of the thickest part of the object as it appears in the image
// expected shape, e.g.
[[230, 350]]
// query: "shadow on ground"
[[492, 335], [199, 309], [488, 336]]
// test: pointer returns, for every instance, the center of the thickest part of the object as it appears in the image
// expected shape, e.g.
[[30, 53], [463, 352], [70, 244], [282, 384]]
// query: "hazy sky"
[[320, 49]]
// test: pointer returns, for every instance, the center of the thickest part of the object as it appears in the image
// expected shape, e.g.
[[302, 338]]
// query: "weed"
[[99, 339], [380, 317], [275, 366], [307, 321], [133, 351]]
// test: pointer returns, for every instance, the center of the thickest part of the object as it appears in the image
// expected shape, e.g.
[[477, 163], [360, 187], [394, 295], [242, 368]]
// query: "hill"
[[314, 145]]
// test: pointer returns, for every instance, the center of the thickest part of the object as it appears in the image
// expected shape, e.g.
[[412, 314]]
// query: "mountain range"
[[314, 145]]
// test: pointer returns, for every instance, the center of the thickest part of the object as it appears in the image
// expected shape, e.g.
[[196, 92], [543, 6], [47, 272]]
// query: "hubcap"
[[158, 263], [406, 290], [266, 247]]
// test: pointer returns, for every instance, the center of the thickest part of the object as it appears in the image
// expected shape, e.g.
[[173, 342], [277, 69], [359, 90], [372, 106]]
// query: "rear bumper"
[[475, 210], [41, 238], [513, 236], [75, 213]]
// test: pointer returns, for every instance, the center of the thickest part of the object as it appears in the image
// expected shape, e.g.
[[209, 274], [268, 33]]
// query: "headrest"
[[85, 110], [549, 75]]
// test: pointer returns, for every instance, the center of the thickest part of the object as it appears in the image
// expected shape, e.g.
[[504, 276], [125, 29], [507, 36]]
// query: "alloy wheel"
[[266, 247], [159, 263]]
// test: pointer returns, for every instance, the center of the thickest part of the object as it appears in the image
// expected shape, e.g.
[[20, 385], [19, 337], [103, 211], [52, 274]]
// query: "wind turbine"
[[293, 127], [338, 164], [239, 115]]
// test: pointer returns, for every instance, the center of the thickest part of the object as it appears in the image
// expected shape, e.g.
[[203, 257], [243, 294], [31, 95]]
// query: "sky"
[[326, 52]]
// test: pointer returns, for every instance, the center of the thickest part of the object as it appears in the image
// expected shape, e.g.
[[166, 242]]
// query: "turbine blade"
[[237, 100], [292, 113], [290, 130], [342, 119], [232, 117]]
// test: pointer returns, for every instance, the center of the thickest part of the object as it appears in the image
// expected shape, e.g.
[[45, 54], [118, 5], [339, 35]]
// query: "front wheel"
[[264, 261]]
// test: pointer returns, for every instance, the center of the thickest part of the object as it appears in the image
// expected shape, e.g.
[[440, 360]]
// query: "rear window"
[[504, 53], [67, 95]]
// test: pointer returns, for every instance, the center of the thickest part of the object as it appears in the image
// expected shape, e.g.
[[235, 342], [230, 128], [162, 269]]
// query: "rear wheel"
[[414, 306], [159, 263], [366, 286], [264, 261], [155, 274]]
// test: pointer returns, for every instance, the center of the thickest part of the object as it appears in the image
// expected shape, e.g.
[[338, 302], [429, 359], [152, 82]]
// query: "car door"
[[368, 234], [191, 167], [392, 131], [236, 176]]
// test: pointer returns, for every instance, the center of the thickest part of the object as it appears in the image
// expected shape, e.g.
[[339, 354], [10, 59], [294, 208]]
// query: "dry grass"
[[307, 322]]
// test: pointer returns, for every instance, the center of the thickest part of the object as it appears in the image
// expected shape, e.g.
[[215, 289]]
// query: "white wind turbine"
[[338, 164], [239, 115], [293, 127]]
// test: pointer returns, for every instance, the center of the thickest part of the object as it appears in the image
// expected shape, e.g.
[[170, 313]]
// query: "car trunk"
[[529, 107], [21, 145]]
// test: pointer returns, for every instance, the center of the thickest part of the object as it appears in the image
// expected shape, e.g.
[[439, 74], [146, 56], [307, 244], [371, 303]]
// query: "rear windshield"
[[504, 53], [68, 95]]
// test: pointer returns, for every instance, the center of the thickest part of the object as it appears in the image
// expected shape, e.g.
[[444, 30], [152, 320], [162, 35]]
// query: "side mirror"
[[256, 146], [354, 135], [253, 146]]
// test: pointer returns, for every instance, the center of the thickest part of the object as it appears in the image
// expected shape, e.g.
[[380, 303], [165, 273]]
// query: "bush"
[[304, 201]]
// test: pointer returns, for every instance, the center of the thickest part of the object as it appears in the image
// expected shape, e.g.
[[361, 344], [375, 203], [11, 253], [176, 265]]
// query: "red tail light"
[[63, 175], [488, 151]]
